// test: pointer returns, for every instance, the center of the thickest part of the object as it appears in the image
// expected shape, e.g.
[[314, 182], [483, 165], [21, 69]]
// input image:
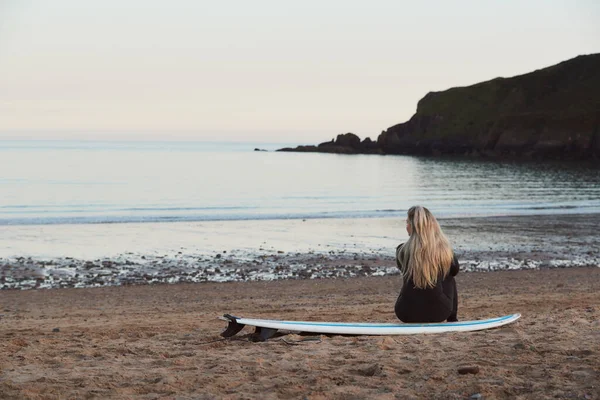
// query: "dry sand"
[[163, 341]]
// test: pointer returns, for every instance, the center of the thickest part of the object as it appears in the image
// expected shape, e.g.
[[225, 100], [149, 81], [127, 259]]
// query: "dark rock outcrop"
[[549, 113], [347, 143]]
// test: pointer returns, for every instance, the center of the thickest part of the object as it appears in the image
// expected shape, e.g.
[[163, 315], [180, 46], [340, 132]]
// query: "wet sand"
[[162, 341]]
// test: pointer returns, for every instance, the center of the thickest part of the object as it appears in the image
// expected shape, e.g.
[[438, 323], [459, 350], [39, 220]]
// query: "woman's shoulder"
[[398, 250]]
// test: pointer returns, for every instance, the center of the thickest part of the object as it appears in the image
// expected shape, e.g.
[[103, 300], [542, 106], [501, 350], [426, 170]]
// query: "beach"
[[112, 327], [162, 341], [144, 323]]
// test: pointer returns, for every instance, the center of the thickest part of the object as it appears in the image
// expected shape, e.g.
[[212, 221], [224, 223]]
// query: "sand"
[[162, 341]]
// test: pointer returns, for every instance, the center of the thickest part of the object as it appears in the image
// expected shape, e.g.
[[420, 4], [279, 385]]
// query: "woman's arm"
[[455, 266], [398, 249]]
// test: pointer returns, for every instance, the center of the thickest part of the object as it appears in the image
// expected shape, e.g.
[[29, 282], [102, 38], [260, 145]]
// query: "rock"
[[348, 140], [56, 330], [306, 149], [370, 370], [470, 369], [89, 265], [347, 143], [476, 396]]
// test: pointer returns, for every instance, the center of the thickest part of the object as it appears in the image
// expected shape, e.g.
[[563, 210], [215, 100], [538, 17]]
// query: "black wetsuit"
[[436, 304]]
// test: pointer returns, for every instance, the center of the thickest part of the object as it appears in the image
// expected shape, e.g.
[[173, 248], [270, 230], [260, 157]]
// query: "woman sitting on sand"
[[428, 266]]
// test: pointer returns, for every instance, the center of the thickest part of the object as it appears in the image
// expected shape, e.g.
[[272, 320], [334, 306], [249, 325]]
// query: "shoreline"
[[539, 212], [311, 249]]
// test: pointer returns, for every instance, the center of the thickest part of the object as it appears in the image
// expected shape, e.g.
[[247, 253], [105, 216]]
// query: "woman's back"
[[428, 267], [431, 304]]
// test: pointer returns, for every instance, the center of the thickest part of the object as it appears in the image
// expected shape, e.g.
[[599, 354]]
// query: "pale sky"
[[260, 70]]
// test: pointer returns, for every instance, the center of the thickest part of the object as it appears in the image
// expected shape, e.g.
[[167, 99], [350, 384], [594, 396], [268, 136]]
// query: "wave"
[[206, 214], [115, 219]]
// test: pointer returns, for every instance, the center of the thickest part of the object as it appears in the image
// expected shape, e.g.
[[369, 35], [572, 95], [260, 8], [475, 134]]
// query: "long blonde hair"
[[427, 254]]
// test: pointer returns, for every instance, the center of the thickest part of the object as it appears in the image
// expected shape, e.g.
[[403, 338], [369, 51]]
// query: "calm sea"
[[58, 182]]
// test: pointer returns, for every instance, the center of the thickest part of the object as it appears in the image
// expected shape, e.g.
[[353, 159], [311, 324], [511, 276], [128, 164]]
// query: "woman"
[[428, 266]]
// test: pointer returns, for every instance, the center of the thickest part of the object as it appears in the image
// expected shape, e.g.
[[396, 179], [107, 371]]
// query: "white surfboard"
[[266, 327]]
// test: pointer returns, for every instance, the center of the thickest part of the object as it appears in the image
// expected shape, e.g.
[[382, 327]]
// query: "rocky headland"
[[551, 113]]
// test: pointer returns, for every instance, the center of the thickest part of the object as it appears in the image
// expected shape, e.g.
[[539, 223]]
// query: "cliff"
[[549, 113]]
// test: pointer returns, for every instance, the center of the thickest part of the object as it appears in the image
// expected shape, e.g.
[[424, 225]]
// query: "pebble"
[[371, 370], [470, 369], [56, 330], [21, 273]]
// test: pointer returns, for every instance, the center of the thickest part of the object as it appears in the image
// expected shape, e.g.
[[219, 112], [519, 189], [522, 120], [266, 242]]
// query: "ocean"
[[67, 182]]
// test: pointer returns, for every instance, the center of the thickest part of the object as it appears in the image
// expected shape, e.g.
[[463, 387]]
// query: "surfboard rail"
[[266, 328]]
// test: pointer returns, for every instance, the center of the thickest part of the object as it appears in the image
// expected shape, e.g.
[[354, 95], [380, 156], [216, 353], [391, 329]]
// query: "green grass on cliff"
[[570, 89]]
